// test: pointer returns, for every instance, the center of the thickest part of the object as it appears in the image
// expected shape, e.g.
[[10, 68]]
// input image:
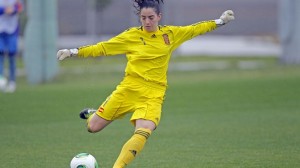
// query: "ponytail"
[[140, 4]]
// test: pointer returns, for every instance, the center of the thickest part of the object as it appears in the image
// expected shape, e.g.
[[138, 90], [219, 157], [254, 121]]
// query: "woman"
[[148, 49]]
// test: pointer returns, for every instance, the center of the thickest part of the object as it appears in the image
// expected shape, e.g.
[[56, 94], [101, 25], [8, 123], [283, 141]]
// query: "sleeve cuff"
[[74, 52], [219, 22]]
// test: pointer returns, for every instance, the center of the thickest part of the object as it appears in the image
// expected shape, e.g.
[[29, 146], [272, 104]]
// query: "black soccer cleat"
[[86, 113]]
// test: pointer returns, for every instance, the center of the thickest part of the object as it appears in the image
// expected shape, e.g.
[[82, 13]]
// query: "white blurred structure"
[[289, 31], [231, 46], [39, 41]]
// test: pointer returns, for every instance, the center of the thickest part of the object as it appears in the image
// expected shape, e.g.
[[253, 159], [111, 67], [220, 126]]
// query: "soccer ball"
[[84, 160]]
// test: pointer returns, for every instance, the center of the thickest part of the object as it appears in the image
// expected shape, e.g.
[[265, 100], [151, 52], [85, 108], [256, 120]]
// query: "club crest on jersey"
[[166, 39]]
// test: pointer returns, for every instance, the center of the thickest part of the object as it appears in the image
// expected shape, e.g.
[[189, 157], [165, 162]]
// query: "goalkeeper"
[[148, 49]]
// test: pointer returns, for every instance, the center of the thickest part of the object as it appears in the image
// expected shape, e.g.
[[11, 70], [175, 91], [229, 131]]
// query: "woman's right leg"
[[95, 123]]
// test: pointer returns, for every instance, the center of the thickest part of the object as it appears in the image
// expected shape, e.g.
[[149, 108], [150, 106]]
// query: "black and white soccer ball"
[[84, 160]]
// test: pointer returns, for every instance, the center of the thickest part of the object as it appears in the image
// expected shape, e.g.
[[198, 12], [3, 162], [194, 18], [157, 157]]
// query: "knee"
[[145, 124], [96, 123], [92, 128]]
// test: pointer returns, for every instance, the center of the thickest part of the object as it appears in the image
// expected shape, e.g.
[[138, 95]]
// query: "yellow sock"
[[132, 147]]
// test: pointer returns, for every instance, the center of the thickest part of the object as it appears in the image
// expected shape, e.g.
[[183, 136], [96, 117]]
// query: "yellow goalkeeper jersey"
[[148, 54]]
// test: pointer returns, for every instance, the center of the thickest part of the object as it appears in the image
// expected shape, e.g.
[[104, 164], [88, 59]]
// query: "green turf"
[[211, 119]]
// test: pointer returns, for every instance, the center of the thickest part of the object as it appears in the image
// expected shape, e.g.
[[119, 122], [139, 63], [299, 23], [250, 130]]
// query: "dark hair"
[[140, 4]]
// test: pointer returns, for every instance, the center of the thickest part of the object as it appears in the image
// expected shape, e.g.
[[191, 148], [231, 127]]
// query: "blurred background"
[[116, 16], [256, 23]]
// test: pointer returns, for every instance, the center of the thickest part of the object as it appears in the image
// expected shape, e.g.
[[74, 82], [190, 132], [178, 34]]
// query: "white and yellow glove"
[[66, 53], [226, 17]]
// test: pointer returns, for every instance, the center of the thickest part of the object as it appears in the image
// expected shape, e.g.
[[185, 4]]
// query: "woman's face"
[[149, 19]]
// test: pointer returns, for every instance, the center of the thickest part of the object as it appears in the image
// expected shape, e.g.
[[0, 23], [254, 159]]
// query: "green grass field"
[[229, 118]]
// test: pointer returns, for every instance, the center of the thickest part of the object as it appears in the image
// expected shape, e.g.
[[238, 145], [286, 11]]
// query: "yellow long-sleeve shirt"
[[148, 54]]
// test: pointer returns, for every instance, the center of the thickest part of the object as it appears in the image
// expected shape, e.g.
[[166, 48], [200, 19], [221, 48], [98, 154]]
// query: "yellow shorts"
[[134, 95]]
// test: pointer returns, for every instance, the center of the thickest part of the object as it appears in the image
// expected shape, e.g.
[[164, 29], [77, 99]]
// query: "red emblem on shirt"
[[166, 39]]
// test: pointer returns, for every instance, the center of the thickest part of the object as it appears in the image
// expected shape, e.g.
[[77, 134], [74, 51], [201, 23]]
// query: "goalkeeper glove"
[[66, 53], [226, 17]]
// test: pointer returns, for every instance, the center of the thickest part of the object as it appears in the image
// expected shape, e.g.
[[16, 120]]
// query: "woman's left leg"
[[136, 143]]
